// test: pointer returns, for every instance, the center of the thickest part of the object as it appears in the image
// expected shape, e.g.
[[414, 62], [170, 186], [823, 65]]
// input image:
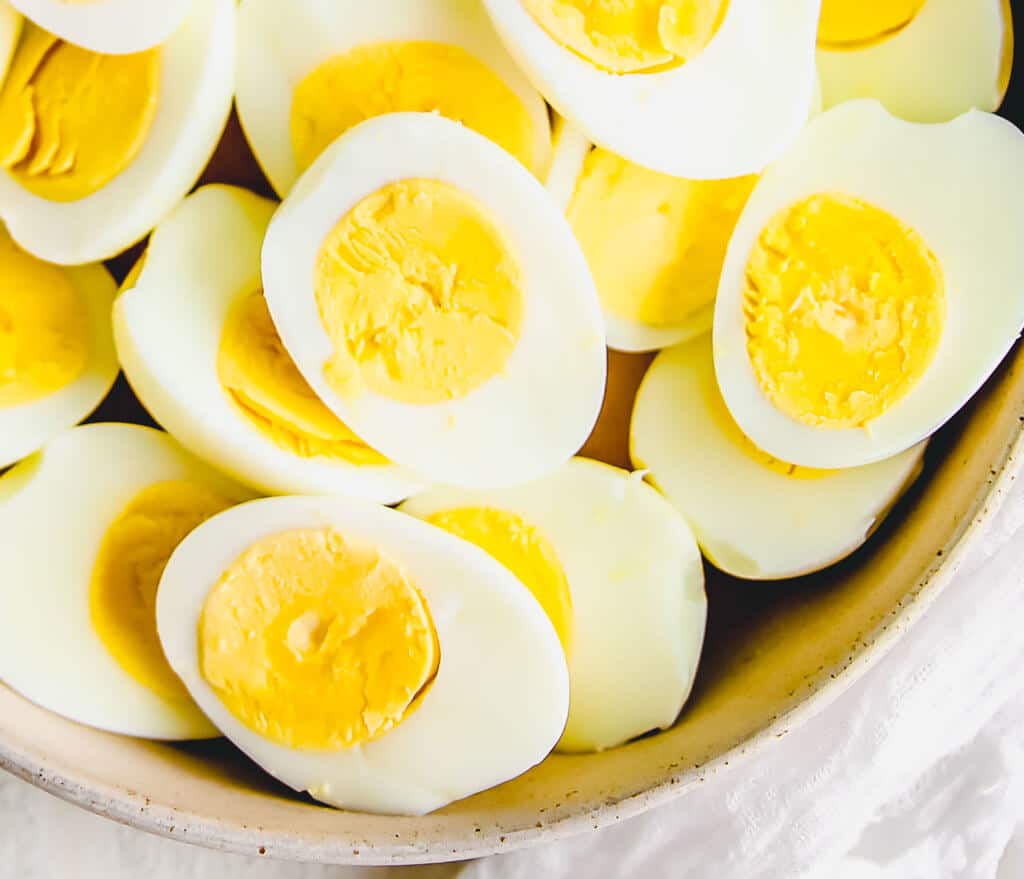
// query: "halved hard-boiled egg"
[[360, 655], [655, 244], [434, 297], [754, 516], [95, 148], [694, 88], [57, 358], [198, 346], [872, 284], [617, 570], [88, 523], [309, 70], [10, 29], [925, 60], [117, 27]]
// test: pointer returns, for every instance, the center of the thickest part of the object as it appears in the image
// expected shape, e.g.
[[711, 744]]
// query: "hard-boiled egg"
[[117, 27], [360, 655], [57, 358], [309, 70], [88, 525], [434, 297], [754, 516], [96, 149], [872, 284], [699, 89], [10, 29], [925, 60], [617, 570], [199, 348]]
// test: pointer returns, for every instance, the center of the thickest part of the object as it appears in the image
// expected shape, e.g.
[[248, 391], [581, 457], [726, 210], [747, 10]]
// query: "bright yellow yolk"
[[521, 548], [655, 244], [71, 120], [44, 327], [263, 381], [854, 24], [127, 571], [844, 308], [398, 77], [316, 641], [630, 36], [419, 293]]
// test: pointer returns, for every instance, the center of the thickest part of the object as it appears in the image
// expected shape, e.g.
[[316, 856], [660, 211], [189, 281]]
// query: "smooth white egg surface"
[[85, 178], [308, 70], [360, 655], [754, 516], [434, 297], [198, 346], [619, 573], [112, 26], [872, 284], [57, 357], [925, 60], [88, 524], [710, 91]]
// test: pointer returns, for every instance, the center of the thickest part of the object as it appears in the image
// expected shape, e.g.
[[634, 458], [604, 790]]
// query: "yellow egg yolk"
[[854, 24], [261, 378], [630, 36], [412, 76], [1006, 67], [317, 641], [419, 293], [44, 327], [844, 307], [524, 550], [655, 244], [127, 571], [71, 120]]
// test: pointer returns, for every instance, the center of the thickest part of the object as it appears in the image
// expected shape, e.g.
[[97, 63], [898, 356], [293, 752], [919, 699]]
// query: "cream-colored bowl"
[[775, 655]]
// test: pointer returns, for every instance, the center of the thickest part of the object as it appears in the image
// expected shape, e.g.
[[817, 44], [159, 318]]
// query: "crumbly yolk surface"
[[261, 378], [854, 24], [317, 641], [420, 294], [44, 327], [630, 36], [524, 550], [410, 76], [844, 307], [127, 571], [71, 120], [654, 243]]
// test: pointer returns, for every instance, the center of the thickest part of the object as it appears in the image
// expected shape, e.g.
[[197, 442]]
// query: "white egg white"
[[957, 185], [496, 707], [280, 42], [168, 329], [637, 589], [727, 112], [750, 519], [195, 91], [55, 509], [518, 425]]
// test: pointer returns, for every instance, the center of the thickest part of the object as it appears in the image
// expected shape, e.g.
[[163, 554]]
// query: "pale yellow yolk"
[[44, 327], [854, 24], [630, 36], [524, 550], [844, 308], [71, 120], [316, 641], [655, 244], [414, 76], [419, 293], [127, 571], [263, 381]]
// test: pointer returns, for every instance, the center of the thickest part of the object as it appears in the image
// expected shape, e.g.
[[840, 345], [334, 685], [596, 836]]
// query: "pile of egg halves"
[[805, 207]]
